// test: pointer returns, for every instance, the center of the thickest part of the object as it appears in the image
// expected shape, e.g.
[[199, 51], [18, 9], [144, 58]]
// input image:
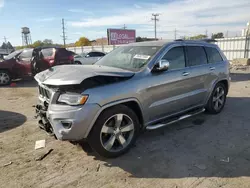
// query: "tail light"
[[71, 58]]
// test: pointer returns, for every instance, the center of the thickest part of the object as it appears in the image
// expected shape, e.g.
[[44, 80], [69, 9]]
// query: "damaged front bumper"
[[64, 121]]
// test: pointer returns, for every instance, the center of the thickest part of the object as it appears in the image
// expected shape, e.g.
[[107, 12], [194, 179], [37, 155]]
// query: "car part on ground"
[[137, 86]]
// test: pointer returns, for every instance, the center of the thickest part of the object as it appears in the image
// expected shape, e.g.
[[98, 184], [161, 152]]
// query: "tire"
[[113, 142], [5, 78], [219, 90], [78, 62]]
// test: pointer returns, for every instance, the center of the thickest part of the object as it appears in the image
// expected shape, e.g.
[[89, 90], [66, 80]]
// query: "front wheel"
[[114, 132], [217, 99], [5, 78]]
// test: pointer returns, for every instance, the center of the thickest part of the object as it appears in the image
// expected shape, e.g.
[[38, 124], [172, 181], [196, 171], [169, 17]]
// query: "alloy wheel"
[[4, 78], [117, 132], [219, 98]]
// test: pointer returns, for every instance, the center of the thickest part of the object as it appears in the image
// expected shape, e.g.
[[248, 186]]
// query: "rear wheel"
[[114, 132], [5, 77], [217, 99]]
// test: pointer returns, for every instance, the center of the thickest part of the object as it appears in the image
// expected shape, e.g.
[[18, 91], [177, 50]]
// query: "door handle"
[[212, 68], [185, 73]]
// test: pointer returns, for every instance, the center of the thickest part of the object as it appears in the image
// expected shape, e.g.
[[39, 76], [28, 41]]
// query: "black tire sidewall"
[[94, 136], [7, 72], [210, 106]]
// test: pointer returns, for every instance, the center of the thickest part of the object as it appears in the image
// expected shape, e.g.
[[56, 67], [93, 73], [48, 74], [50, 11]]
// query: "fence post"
[[82, 49], [246, 44]]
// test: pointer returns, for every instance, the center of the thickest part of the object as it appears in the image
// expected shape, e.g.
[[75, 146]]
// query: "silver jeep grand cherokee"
[[137, 86]]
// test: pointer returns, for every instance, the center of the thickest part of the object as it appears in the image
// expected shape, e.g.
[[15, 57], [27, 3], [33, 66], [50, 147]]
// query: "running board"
[[157, 126]]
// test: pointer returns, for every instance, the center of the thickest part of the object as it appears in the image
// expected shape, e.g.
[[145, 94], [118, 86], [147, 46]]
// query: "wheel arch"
[[132, 103], [223, 81]]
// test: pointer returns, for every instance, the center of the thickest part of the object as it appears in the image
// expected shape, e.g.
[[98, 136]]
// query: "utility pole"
[[175, 34], [155, 19], [227, 34], [5, 41], [63, 32], [206, 33], [124, 27]]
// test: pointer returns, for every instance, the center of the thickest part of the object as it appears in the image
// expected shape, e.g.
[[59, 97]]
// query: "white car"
[[88, 58]]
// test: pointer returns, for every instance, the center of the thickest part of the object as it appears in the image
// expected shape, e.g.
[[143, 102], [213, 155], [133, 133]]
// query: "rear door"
[[198, 73], [23, 63], [215, 66], [63, 56], [48, 57]]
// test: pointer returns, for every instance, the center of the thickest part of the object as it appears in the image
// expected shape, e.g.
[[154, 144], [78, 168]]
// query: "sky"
[[92, 18]]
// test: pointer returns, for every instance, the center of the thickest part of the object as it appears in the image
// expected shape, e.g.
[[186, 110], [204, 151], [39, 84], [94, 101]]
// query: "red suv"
[[28, 62]]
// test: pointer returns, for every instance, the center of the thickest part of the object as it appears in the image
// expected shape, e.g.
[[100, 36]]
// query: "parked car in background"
[[138, 86], [88, 58], [28, 62]]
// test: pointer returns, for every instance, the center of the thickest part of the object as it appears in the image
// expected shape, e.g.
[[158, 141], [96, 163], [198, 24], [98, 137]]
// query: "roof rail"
[[204, 40]]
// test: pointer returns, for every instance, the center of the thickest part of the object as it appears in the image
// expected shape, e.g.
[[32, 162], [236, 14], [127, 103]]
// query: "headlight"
[[73, 99]]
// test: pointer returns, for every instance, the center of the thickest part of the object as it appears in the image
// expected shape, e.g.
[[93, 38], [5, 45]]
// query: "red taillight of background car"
[[71, 58]]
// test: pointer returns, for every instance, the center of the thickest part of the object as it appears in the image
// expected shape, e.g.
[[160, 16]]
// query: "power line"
[[155, 19], [63, 32]]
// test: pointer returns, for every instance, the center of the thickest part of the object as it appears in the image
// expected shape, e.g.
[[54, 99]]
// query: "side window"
[[213, 55], [26, 55], [91, 54], [100, 54], [175, 57], [196, 55], [47, 52]]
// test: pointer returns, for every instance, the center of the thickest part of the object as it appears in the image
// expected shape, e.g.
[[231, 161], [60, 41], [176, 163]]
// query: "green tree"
[[47, 42], [197, 37], [217, 35], [37, 44], [83, 41]]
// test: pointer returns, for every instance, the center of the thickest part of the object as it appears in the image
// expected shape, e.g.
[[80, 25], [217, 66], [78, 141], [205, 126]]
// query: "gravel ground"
[[203, 151]]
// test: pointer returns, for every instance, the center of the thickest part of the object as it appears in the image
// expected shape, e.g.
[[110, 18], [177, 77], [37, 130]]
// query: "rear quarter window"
[[213, 55], [196, 55]]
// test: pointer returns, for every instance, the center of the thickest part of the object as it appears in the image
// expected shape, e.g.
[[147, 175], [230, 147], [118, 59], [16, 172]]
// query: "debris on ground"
[[225, 160], [40, 144], [201, 166], [44, 155], [98, 167], [7, 164]]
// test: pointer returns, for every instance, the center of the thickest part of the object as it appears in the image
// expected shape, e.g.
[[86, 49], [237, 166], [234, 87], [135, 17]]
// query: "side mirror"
[[162, 65], [87, 55]]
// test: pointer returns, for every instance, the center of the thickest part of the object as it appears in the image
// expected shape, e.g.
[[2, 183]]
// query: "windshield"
[[13, 54], [129, 57]]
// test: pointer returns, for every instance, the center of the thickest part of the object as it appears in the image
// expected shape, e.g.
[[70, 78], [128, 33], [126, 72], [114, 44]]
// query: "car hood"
[[75, 74]]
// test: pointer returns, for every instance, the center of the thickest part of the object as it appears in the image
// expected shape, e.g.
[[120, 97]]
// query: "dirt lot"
[[204, 151]]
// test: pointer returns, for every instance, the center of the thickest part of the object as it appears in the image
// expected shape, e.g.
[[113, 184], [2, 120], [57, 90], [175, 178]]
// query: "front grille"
[[44, 92]]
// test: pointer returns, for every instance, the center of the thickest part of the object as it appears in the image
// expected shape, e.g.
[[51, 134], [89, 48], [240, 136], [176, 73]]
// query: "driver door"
[[24, 63]]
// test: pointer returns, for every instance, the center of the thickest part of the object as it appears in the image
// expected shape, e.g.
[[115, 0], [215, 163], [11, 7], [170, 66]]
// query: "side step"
[[157, 126]]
